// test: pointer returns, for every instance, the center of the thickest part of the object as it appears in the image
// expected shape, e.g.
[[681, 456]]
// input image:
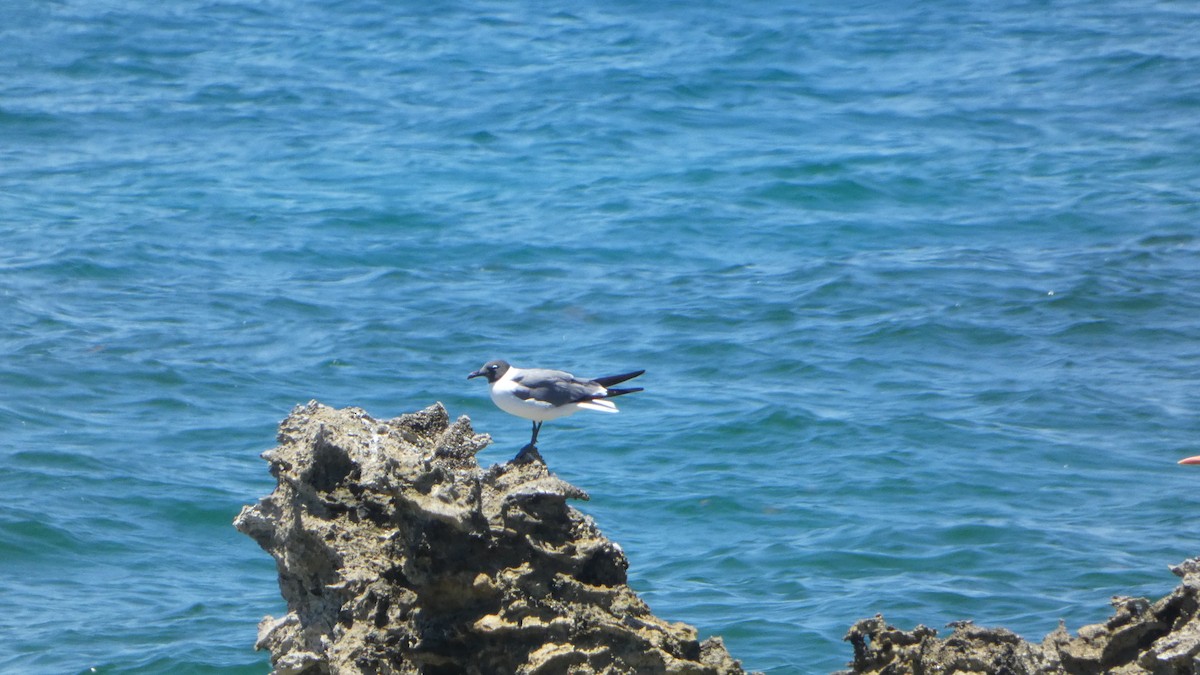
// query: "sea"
[[916, 286]]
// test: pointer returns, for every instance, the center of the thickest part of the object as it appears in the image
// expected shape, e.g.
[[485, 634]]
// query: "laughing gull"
[[538, 394]]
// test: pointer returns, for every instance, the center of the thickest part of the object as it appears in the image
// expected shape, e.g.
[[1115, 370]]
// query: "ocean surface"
[[916, 286]]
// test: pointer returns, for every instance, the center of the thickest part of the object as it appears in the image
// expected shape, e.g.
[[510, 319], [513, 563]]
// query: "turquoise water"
[[917, 287]]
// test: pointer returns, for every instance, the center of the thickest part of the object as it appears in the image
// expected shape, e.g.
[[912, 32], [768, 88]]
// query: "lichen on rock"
[[397, 553]]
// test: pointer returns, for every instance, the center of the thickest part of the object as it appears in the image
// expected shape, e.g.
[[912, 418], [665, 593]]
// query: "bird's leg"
[[530, 452]]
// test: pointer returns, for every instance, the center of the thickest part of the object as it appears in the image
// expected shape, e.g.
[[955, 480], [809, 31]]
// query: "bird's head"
[[492, 370]]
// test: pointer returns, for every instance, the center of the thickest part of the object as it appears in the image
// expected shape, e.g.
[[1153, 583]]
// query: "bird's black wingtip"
[[617, 379]]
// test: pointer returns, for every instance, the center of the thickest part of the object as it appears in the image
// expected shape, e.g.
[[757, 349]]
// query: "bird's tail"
[[618, 392], [617, 379], [599, 405]]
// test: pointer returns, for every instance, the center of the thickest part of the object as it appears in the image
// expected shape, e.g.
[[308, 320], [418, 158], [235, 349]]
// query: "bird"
[[1190, 460], [538, 394]]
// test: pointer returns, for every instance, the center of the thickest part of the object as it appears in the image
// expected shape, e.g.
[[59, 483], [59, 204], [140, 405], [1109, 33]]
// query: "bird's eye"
[[493, 367]]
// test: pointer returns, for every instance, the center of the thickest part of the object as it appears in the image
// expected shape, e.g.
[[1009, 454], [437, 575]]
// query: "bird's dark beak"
[[477, 373]]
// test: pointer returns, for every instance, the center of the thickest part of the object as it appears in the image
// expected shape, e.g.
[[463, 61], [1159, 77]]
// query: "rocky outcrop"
[[397, 553], [1160, 638]]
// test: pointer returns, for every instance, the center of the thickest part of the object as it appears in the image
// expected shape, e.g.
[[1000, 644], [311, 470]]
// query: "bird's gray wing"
[[555, 387]]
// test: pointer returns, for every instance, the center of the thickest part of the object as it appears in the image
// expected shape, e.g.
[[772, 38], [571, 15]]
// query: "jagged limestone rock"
[[398, 554], [1160, 638]]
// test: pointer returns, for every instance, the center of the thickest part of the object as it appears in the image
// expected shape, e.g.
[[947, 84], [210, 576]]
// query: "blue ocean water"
[[917, 286]]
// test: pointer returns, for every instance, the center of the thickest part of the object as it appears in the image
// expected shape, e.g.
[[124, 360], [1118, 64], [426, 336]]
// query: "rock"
[[1160, 638], [398, 554]]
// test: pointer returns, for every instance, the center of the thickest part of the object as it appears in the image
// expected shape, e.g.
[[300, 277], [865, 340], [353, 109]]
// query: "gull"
[[539, 394]]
